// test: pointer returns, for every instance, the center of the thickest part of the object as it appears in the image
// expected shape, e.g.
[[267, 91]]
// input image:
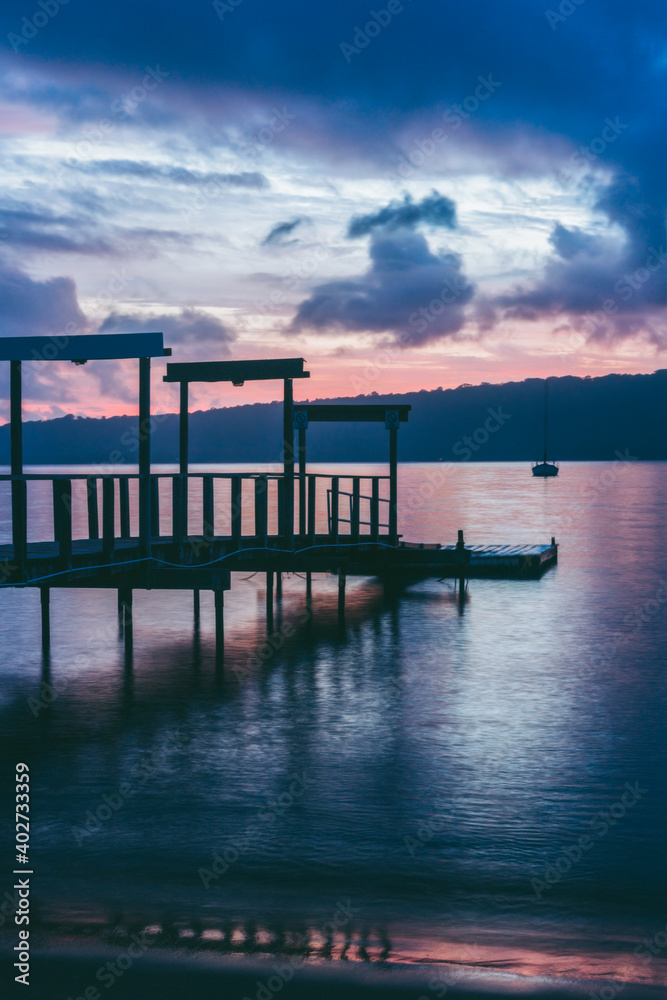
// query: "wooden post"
[[144, 455], [312, 495], [183, 430], [219, 626], [124, 504], [237, 499], [196, 608], [279, 586], [460, 559], [93, 514], [62, 519], [393, 486], [19, 491], [261, 509], [125, 606], [155, 506], [333, 529], [177, 511], [354, 516], [286, 529], [302, 481], [108, 517], [309, 588], [341, 594], [208, 509], [16, 417], [375, 509], [269, 599], [45, 601]]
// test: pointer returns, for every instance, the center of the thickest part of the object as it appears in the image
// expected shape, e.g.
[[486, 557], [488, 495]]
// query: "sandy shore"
[[96, 973]]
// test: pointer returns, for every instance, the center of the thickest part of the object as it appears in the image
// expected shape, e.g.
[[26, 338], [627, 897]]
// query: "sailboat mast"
[[546, 408]]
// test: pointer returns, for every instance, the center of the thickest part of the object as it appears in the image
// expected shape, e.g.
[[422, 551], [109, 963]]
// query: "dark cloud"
[[190, 329], [171, 174], [611, 291], [281, 231], [556, 92], [38, 228], [568, 243], [434, 210], [409, 291], [32, 308]]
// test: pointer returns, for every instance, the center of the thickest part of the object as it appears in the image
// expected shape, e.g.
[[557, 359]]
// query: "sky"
[[408, 195]]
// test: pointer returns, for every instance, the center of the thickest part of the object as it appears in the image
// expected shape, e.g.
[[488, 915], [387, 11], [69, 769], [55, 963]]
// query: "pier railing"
[[105, 509]]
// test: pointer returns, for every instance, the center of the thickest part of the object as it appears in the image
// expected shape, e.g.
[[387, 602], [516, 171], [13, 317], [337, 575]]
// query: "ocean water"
[[480, 784]]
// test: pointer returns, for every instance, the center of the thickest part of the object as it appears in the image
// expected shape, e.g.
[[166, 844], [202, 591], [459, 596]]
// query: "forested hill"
[[590, 418]]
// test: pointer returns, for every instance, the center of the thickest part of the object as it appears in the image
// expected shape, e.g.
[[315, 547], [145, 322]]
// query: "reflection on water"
[[447, 760]]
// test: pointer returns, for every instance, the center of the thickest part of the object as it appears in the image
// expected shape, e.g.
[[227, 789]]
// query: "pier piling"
[[341, 594], [45, 600], [219, 626], [269, 599]]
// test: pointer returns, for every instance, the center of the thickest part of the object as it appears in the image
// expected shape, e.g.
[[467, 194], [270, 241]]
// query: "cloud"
[[278, 234], [610, 290], [190, 329], [434, 210], [22, 225], [172, 174], [568, 243], [408, 291], [32, 308]]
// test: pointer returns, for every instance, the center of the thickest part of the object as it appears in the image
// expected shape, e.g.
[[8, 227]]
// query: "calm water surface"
[[449, 759]]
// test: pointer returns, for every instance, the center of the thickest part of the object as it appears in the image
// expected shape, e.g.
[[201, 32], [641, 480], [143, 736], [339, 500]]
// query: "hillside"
[[590, 418]]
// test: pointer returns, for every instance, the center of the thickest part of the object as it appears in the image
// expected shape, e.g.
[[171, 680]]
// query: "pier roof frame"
[[80, 349], [239, 372], [86, 347], [236, 372], [352, 412]]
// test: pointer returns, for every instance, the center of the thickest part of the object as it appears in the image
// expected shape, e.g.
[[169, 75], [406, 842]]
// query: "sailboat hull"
[[544, 470]]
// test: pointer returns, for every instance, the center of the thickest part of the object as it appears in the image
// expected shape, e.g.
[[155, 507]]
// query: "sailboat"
[[545, 468]]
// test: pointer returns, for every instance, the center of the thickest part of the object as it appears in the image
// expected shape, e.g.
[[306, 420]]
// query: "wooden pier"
[[191, 531]]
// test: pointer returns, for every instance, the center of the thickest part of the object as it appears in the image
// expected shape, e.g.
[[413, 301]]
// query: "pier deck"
[[191, 531]]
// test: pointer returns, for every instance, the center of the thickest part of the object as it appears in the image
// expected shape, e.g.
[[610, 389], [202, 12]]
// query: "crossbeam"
[[236, 372], [93, 347], [358, 412]]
